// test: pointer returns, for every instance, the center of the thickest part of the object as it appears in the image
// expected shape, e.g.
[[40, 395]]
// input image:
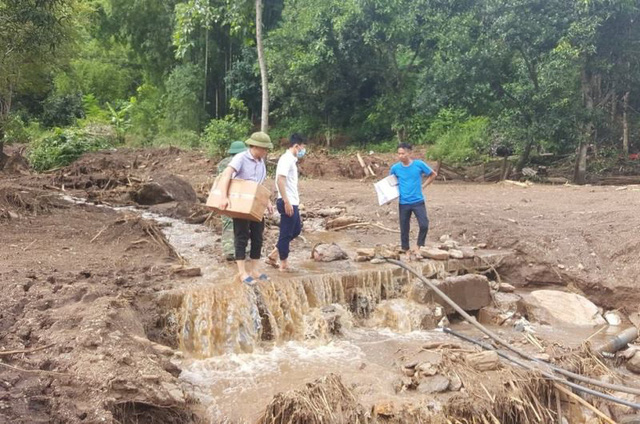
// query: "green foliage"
[[62, 147], [183, 105], [120, 119], [146, 109], [219, 133], [15, 130], [92, 110], [306, 125], [62, 110], [461, 141]]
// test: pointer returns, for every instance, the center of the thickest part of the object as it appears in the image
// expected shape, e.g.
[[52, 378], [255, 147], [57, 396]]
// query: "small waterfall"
[[234, 318]]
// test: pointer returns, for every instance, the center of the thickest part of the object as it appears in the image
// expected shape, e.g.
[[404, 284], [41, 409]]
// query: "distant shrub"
[[63, 147]]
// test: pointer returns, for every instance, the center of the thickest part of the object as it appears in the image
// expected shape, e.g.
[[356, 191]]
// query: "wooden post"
[[625, 125]]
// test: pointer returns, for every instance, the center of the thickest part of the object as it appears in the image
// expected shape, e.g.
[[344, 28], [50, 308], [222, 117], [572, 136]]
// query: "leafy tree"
[[183, 110], [30, 33]]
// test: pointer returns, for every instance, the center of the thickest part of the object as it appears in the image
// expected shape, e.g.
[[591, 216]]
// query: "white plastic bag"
[[387, 189]]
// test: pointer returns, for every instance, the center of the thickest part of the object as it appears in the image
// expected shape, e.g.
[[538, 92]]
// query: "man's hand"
[[270, 208], [224, 203], [288, 209]]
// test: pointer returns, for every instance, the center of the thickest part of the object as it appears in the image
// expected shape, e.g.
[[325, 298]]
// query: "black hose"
[[544, 373], [521, 353]]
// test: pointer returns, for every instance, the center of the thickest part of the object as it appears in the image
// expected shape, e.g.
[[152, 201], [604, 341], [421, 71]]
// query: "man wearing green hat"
[[248, 165], [227, 223]]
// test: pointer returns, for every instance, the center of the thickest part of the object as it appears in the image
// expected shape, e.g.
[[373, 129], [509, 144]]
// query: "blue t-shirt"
[[410, 180]]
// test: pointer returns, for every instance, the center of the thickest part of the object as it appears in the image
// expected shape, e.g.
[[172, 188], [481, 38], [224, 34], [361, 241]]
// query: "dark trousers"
[[290, 228], [243, 231], [420, 211]]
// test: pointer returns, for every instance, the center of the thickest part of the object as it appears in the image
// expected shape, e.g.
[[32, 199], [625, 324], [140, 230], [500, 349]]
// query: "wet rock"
[[175, 393], [483, 361], [508, 302], [329, 212], [542, 275], [384, 409], [435, 384], [408, 372], [450, 244], [620, 410], [471, 292], [163, 189], [613, 317], [490, 315], [455, 383], [633, 364], [426, 369], [468, 252], [506, 288], [324, 252], [433, 253], [366, 252], [556, 307], [456, 254]]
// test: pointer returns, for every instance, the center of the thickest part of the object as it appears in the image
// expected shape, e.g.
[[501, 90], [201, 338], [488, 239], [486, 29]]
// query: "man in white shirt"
[[288, 200]]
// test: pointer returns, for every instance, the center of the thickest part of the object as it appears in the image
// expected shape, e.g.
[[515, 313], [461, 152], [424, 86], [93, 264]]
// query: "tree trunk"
[[524, 156], [580, 172], [206, 69], [625, 124], [264, 123]]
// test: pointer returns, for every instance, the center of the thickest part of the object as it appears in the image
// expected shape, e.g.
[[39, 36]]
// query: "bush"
[[92, 110], [219, 133], [145, 111], [62, 110], [15, 131], [460, 141], [182, 139], [63, 147]]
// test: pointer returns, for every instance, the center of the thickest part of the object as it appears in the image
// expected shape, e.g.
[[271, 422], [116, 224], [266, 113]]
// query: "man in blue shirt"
[[409, 173]]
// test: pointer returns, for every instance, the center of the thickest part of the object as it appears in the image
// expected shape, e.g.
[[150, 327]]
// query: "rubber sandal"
[[289, 270], [250, 281], [263, 277], [271, 262]]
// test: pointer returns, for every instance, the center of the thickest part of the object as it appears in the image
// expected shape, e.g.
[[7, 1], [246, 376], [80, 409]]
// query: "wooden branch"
[[584, 403], [98, 235], [15, 352], [356, 224]]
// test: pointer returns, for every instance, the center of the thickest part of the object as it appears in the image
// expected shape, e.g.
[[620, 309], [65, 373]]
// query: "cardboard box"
[[387, 189], [247, 199]]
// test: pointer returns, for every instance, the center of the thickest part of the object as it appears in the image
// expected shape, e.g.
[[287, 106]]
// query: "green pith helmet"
[[260, 139], [236, 147]]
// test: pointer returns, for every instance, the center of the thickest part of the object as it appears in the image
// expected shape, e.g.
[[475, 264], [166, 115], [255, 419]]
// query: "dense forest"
[[462, 76]]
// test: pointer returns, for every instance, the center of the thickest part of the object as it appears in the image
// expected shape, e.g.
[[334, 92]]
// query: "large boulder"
[[558, 307], [165, 188], [471, 292]]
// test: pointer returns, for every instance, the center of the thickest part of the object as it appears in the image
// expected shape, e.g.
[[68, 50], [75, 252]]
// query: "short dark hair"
[[405, 146], [296, 138]]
